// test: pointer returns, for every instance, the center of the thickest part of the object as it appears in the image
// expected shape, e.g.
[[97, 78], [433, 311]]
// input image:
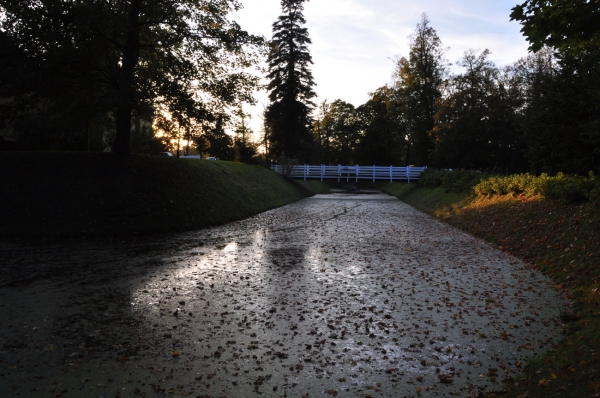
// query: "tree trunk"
[[126, 91]]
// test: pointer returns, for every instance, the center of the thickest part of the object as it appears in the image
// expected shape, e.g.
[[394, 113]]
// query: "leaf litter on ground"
[[336, 294]]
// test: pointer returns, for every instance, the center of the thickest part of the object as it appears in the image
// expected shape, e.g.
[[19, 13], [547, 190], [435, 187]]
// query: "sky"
[[354, 42]]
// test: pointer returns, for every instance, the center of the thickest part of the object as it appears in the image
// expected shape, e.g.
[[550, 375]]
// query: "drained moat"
[[336, 295]]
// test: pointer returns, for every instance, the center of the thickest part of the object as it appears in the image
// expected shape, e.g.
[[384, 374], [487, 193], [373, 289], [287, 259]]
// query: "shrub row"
[[517, 184], [451, 180], [571, 188]]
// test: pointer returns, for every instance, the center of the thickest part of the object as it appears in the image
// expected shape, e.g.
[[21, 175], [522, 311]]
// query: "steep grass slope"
[[48, 196]]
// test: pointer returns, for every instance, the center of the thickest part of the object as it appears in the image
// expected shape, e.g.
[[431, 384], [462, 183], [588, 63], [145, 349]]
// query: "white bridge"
[[373, 173]]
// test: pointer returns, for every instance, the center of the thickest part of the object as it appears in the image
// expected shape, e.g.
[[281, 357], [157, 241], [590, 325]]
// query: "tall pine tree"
[[291, 85]]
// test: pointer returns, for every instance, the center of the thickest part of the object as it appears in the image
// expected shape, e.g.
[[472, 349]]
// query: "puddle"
[[337, 294]]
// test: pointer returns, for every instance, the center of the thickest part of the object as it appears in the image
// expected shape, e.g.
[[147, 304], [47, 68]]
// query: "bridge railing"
[[339, 172]]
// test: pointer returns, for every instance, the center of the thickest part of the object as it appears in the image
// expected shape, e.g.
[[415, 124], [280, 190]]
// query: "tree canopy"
[[540, 114], [475, 124], [566, 25], [92, 58], [419, 79]]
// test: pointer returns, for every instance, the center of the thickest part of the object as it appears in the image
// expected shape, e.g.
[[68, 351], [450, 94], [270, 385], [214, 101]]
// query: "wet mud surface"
[[335, 295]]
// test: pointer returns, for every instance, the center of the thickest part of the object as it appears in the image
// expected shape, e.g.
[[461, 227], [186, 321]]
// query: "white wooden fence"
[[373, 173]]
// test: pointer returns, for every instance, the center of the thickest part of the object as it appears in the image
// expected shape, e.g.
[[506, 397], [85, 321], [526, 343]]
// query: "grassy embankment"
[[50, 196], [562, 240]]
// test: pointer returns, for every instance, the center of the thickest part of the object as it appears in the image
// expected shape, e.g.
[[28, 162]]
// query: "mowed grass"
[[52, 196], [558, 238]]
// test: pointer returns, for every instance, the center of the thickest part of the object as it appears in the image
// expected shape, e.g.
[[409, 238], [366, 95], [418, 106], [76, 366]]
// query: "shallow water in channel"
[[342, 294]]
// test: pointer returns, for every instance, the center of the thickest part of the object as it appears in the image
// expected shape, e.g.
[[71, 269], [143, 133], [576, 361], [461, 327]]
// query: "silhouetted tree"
[[343, 128], [383, 129], [419, 80], [322, 134], [476, 126], [126, 55], [291, 85], [561, 116], [566, 25], [245, 147], [215, 141]]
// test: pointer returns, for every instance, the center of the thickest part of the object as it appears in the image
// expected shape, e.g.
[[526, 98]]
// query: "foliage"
[[538, 115], [322, 135], [337, 132], [476, 126], [572, 188], [374, 133], [431, 178], [419, 81], [291, 85], [214, 141], [383, 129], [560, 116], [88, 59], [83, 200], [569, 188], [450, 180], [518, 184], [567, 25], [245, 148]]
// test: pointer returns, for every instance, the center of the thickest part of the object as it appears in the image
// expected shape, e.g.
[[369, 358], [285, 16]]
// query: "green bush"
[[517, 184], [572, 188], [461, 180], [560, 187], [450, 180], [594, 195], [431, 178]]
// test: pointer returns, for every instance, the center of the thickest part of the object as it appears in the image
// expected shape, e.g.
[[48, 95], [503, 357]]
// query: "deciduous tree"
[[561, 119], [383, 129], [185, 55], [215, 141], [475, 124], [566, 25], [419, 79]]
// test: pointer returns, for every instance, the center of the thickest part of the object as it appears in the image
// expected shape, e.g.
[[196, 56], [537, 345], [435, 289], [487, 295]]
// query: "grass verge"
[[50, 196], [560, 239]]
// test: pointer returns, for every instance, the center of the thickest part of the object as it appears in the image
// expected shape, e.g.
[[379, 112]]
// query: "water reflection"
[[321, 295]]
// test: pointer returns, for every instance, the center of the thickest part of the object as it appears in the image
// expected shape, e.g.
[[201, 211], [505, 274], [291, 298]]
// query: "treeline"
[[540, 114], [144, 76]]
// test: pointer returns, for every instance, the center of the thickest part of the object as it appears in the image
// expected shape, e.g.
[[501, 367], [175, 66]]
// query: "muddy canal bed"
[[347, 295]]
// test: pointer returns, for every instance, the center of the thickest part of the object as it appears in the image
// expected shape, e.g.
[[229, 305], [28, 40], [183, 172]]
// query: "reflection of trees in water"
[[286, 257]]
